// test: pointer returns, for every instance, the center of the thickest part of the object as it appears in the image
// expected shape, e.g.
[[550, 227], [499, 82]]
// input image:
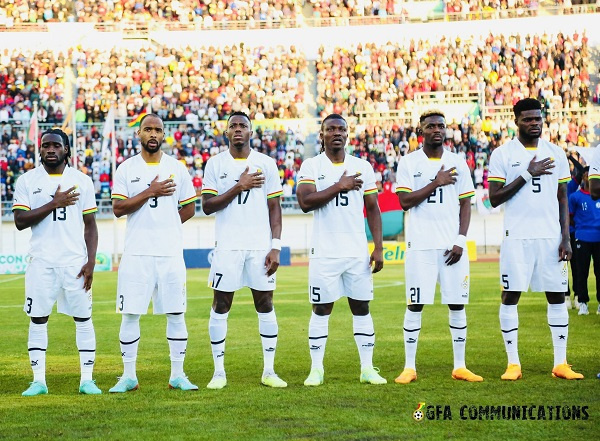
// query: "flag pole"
[[36, 134]]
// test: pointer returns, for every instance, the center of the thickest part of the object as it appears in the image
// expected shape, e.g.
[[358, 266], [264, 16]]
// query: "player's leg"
[[318, 331], [364, 336], [420, 269], [225, 277], [583, 250], [76, 302], [596, 260], [177, 337], [324, 288], [41, 292], [558, 321], [217, 331], [268, 330], [85, 338], [517, 260], [455, 287], [37, 344], [135, 286], [551, 277]]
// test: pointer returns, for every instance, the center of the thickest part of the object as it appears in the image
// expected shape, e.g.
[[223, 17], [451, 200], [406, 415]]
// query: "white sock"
[[129, 336], [458, 331], [558, 320], [318, 328], [217, 330], [177, 337], [37, 345], [412, 328], [509, 325], [364, 335], [86, 343], [268, 329]]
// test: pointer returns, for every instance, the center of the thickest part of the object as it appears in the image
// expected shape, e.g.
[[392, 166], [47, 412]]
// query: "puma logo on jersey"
[[38, 191], [271, 280], [418, 175], [223, 176], [133, 181], [321, 177], [516, 164]]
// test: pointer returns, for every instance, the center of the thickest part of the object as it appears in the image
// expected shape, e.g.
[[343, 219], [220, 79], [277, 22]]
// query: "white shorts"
[[534, 263], [231, 270], [160, 278], [45, 286], [330, 278], [424, 268]]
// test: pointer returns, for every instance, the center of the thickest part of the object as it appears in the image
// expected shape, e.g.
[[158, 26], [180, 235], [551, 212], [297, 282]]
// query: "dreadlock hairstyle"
[[65, 140]]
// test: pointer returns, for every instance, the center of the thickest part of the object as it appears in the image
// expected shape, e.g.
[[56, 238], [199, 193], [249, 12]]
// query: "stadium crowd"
[[374, 77]]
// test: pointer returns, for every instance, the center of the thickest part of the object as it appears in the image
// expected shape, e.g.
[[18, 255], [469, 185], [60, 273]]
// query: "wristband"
[[276, 244], [526, 175], [461, 241]]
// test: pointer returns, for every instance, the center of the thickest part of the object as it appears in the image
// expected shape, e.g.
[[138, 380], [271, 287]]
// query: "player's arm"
[[157, 188], [411, 199], [90, 235], [272, 259], [500, 193], [564, 249], [310, 199], [28, 218], [187, 211], [212, 203], [464, 218], [375, 225], [594, 184]]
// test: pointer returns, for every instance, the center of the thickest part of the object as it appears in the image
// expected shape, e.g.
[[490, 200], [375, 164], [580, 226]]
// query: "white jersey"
[[155, 228], [244, 224], [58, 239], [339, 226], [435, 222], [532, 213], [594, 164]]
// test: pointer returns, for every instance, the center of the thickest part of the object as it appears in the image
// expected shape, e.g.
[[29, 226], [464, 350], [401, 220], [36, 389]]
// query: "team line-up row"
[[242, 188]]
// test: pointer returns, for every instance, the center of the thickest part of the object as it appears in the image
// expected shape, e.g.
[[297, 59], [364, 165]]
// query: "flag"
[[32, 134], [392, 216], [109, 140], [136, 121]]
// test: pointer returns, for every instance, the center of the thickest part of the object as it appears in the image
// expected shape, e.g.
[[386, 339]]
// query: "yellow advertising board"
[[393, 252]]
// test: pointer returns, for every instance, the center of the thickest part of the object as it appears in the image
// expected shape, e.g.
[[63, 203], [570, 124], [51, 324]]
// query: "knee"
[[415, 308], [323, 309], [359, 308], [221, 304], [80, 319], [264, 304], [39, 320], [176, 318], [510, 297]]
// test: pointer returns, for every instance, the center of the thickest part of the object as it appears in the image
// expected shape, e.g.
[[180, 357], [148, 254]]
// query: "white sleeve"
[[209, 183], [465, 183], [21, 196], [369, 181], [120, 190], [88, 196], [594, 172], [404, 180], [497, 171], [272, 180], [187, 193], [306, 175]]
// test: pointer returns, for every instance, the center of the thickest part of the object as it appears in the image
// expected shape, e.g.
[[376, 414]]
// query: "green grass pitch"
[[341, 409]]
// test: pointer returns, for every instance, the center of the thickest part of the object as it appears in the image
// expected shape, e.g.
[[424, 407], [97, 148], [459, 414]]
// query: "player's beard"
[[151, 149], [54, 163]]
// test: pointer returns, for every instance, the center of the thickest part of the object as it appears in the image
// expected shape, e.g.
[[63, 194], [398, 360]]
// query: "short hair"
[[431, 112], [333, 116], [526, 104], [239, 113], [64, 137], [154, 115]]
